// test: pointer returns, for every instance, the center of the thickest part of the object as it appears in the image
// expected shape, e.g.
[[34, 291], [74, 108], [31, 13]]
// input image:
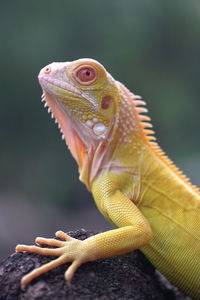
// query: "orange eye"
[[86, 75]]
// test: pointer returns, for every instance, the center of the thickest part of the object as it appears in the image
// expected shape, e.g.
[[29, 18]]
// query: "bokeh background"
[[151, 46]]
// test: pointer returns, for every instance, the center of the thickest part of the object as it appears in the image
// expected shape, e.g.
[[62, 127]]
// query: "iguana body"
[[135, 186]]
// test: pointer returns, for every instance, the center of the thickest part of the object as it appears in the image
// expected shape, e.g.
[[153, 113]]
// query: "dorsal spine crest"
[[149, 135]]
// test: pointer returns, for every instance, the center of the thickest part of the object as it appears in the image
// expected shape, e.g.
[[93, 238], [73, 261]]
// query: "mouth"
[[53, 85]]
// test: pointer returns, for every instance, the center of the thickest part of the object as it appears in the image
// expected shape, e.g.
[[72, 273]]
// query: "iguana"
[[134, 184]]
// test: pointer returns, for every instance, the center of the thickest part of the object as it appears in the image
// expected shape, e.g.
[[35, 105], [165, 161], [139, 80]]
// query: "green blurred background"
[[151, 46]]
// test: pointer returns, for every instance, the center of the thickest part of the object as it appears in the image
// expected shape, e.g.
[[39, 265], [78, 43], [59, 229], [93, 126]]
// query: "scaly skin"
[[135, 186]]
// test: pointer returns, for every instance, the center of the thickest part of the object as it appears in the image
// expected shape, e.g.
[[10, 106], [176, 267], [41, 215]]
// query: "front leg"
[[134, 232]]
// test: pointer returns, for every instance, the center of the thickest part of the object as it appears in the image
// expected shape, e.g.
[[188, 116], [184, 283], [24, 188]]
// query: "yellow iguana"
[[134, 184]]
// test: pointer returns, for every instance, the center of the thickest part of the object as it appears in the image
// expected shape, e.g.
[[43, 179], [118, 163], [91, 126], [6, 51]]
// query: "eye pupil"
[[86, 75]]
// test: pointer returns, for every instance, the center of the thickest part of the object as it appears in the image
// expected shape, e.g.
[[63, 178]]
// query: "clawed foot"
[[68, 250]]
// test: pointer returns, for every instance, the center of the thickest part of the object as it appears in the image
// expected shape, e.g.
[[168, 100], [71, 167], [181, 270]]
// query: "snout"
[[50, 73]]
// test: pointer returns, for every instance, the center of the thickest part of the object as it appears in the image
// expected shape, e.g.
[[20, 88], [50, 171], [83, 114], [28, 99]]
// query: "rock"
[[129, 276]]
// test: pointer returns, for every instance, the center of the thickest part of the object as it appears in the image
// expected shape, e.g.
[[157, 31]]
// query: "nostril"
[[47, 70]]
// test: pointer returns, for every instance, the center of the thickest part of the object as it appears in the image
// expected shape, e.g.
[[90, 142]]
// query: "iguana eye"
[[86, 75]]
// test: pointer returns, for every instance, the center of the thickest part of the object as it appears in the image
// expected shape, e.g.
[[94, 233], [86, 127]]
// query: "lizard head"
[[83, 98], [85, 90]]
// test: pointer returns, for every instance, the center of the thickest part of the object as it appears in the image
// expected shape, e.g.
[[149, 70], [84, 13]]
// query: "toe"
[[41, 270], [35, 249], [71, 270], [49, 242], [63, 236]]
